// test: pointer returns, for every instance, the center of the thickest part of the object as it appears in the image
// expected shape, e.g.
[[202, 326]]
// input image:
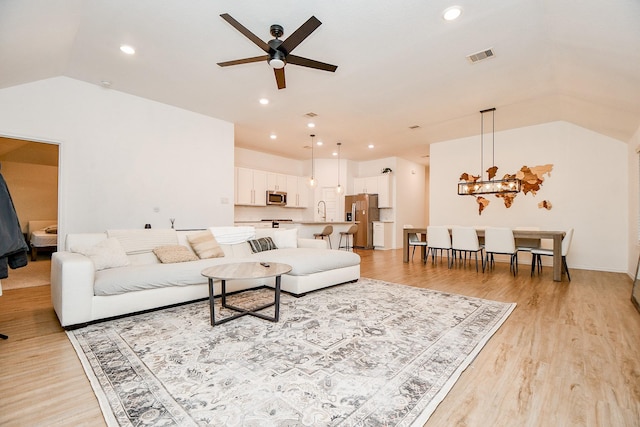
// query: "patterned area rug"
[[367, 353]]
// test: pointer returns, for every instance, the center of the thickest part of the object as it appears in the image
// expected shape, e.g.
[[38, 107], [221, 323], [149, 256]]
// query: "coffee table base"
[[243, 311]]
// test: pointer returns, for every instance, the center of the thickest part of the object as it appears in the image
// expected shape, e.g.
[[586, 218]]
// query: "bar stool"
[[325, 233], [348, 237]]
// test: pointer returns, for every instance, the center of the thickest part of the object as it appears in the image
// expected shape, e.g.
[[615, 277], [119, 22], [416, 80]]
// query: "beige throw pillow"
[[174, 253], [205, 245], [106, 254]]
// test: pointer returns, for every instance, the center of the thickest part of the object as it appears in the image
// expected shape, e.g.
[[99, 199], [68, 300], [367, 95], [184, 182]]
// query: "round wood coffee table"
[[245, 270]]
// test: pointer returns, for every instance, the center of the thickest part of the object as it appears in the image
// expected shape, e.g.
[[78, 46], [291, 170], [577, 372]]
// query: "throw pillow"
[[174, 253], [52, 229], [286, 238], [205, 245], [262, 244], [106, 254]]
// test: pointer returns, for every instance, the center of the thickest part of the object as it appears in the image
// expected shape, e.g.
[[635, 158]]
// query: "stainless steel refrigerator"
[[362, 208]]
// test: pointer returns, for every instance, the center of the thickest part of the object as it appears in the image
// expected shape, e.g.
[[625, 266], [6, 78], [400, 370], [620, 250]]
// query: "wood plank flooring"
[[569, 354]]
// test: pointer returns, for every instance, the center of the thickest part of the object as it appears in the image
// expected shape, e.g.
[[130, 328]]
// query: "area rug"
[[369, 353]]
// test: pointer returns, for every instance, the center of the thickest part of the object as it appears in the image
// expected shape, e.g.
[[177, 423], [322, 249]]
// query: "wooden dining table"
[[519, 235]]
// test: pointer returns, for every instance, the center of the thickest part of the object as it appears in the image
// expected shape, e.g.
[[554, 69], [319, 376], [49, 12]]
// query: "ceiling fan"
[[278, 52]]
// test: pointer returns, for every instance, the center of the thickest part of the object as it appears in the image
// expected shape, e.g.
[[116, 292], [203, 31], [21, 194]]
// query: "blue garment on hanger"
[[13, 247]]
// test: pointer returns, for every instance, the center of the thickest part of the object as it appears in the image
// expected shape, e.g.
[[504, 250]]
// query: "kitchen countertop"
[[325, 222], [299, 222]]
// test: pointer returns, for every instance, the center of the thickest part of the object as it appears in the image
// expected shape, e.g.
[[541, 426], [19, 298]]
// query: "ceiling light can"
[[452, 13], [129, 50]]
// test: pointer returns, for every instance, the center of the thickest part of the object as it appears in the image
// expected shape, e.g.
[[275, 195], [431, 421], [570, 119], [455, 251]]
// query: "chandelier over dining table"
[[474, 185]]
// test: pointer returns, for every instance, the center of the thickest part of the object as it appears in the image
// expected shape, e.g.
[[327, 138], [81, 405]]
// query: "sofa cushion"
[[286, 238], [232, 235], [262, 244], [144, 240], [174, 253], [106, 254], [305, 261], [205, 245], [139, 277]]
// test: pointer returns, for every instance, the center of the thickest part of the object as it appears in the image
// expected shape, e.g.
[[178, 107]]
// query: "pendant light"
[[339, 187], [474, 185], [312, 179]]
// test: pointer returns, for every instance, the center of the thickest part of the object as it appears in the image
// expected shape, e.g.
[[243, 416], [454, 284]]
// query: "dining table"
[[521, 237]]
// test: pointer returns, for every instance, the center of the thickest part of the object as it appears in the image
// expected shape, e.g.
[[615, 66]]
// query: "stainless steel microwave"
[[277, 198]]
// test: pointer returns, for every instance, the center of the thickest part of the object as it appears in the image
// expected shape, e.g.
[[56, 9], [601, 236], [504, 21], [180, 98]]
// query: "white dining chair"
[[414, 240], [500, 240], [464, 240], [538, 253], [438, 239], [527, 247]]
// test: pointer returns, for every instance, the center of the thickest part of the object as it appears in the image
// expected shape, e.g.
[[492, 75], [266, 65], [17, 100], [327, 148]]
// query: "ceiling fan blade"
[[279, 72], [244, 61], [248, 34], [300, 34], [305, 62]]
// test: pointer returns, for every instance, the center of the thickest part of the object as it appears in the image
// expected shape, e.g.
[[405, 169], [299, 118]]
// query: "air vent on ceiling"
[[479, 56], [310, 115], [414, 127]]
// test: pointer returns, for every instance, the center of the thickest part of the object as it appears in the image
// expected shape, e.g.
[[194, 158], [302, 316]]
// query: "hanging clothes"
[[13, 247]]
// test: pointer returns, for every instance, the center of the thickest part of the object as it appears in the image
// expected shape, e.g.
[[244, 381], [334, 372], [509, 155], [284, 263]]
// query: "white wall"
[[588, 188], [124, 157]]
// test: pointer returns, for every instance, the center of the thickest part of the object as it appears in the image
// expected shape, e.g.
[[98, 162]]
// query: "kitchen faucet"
[[324, 210]]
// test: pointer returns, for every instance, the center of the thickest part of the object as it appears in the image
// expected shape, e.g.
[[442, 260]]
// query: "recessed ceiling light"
[[129, 50], [273, 136], [319, 143], [370, 145], [311, 125], [264, 101], [335, 153], [452, 13]]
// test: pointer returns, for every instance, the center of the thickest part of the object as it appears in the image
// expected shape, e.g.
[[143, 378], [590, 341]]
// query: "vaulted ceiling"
[[400, 65]]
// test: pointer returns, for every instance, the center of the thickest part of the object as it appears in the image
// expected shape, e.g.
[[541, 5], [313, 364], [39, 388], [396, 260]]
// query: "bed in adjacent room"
[[43, 236]]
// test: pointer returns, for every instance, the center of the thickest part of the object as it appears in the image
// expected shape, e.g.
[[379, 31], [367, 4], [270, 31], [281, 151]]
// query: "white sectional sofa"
[[84, 291]]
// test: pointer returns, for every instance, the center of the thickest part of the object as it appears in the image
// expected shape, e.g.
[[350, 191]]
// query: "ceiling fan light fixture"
[[277, 60], [276, 63]]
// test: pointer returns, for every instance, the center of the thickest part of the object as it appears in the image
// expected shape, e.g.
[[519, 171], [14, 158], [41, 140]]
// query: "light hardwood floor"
[[569, 354]]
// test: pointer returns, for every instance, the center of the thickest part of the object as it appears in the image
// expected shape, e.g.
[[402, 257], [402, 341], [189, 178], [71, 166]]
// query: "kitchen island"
[[306, 229]]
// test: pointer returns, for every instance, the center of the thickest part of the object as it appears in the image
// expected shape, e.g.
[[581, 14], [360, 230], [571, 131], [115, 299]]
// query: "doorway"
[[31, 171]]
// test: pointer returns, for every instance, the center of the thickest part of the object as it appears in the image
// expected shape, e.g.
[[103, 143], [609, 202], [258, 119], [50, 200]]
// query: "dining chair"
[[348, 235], [500, 240], [538, 253], [326, 232], [464, 240], [438, 239], [414, 240], [532, 245]]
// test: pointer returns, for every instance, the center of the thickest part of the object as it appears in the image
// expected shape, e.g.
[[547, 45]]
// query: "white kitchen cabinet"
[[382, 235], [379, 184], [297, 192], [365, 185], [251, 187], [276, 182], [385, 199]]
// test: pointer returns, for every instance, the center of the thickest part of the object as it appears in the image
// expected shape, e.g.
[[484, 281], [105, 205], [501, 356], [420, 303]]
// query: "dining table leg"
[[405, 246], [557, 258]]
